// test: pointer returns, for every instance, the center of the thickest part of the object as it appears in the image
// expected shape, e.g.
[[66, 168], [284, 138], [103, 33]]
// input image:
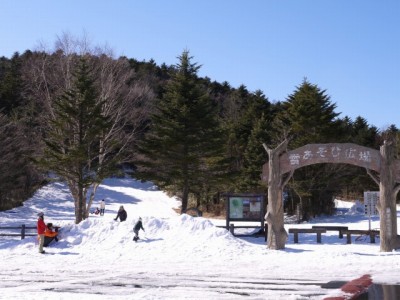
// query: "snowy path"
[[106, 284]]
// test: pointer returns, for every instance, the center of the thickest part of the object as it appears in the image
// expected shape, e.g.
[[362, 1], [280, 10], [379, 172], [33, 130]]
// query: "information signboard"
[[248, 208], [370, 201], [245, 207]]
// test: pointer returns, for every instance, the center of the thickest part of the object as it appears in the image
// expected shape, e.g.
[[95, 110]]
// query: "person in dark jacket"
[[136, 228], [122, 215]]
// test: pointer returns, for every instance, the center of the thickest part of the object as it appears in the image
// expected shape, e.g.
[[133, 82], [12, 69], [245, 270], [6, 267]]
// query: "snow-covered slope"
[[178, 256]]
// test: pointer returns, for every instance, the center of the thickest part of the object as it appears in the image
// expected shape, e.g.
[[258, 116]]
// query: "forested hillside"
[[84, 115]]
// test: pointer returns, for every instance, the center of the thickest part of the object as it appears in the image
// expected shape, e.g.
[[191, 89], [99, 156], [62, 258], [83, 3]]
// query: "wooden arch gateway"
[[282, 164]]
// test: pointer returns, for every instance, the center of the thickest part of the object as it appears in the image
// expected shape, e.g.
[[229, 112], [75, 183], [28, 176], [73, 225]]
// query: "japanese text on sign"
[[330, 152]]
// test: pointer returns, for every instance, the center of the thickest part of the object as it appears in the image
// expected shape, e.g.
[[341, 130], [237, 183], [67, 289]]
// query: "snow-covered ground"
[[178, 256]]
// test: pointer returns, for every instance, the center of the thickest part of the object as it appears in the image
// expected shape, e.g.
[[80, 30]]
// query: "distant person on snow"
[[136, 229], [102, 207], [96, 211], [41, 228], [122, 215]]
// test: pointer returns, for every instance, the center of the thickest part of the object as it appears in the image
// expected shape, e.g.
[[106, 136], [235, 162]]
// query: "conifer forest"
[[82, 115]]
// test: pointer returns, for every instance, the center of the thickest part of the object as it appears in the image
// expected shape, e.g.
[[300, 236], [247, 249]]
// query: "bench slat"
[[296, 232], [307, 230], [247, 226], [334, 228]]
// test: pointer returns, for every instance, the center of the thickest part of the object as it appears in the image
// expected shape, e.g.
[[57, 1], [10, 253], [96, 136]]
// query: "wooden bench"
[[370, 233], [21, 228], [296, 232], [333, 228]]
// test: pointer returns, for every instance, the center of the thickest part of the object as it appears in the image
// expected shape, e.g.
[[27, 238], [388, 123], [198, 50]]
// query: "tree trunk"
[[91, 198], [387, 199], [185, 198], [81, 205], [277, 235]]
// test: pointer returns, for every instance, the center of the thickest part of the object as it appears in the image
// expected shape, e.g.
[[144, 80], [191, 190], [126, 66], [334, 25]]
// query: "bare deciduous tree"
[[126, 100]]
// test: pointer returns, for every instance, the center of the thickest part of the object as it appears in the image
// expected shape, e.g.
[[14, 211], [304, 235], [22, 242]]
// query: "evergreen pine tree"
[[10, 84], [254, 157], [311, 118], [183, 147], [72, 144], [241, 111]]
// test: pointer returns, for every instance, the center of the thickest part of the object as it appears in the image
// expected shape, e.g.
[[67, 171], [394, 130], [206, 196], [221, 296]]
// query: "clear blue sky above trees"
[[349, 48]]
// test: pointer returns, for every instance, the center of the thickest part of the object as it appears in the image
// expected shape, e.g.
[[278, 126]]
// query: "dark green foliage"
[[155, 76], [309, 117], [18, 177], [258, 118], [240, 112], [362, 133], [254, 157], [11, 95], [183, 148], [72, 144], [198, 144], [353, 180]]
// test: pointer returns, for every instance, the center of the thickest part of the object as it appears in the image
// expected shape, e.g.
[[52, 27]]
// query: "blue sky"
[[351, 49]]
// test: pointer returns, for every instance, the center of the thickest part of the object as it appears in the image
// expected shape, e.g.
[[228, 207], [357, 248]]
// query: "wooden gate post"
[[277, 235], [389, 239]]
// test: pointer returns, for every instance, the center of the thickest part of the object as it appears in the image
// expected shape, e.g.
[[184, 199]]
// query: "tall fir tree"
[[309, 117], [254, 157], [11, 96], [72, 144], [183, 148]]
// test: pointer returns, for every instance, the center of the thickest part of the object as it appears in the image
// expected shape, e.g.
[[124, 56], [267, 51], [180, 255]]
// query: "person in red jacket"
[[41, 228]]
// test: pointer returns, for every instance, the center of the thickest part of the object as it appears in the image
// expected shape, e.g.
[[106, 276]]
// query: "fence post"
[[266, 231], [319, 237], [372, 237], [232, 228], [22, 231]]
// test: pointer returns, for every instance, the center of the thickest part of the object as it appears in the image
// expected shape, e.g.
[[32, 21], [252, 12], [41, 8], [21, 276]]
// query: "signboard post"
[[370, 201]]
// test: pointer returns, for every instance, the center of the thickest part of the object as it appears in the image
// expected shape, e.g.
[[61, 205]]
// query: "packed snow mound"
[[343, 204], [349, 207], [197, 235], [166, 232], [356, 208]]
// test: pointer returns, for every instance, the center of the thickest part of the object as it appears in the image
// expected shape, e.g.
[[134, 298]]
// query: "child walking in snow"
[[102, 207], [136, 229]]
